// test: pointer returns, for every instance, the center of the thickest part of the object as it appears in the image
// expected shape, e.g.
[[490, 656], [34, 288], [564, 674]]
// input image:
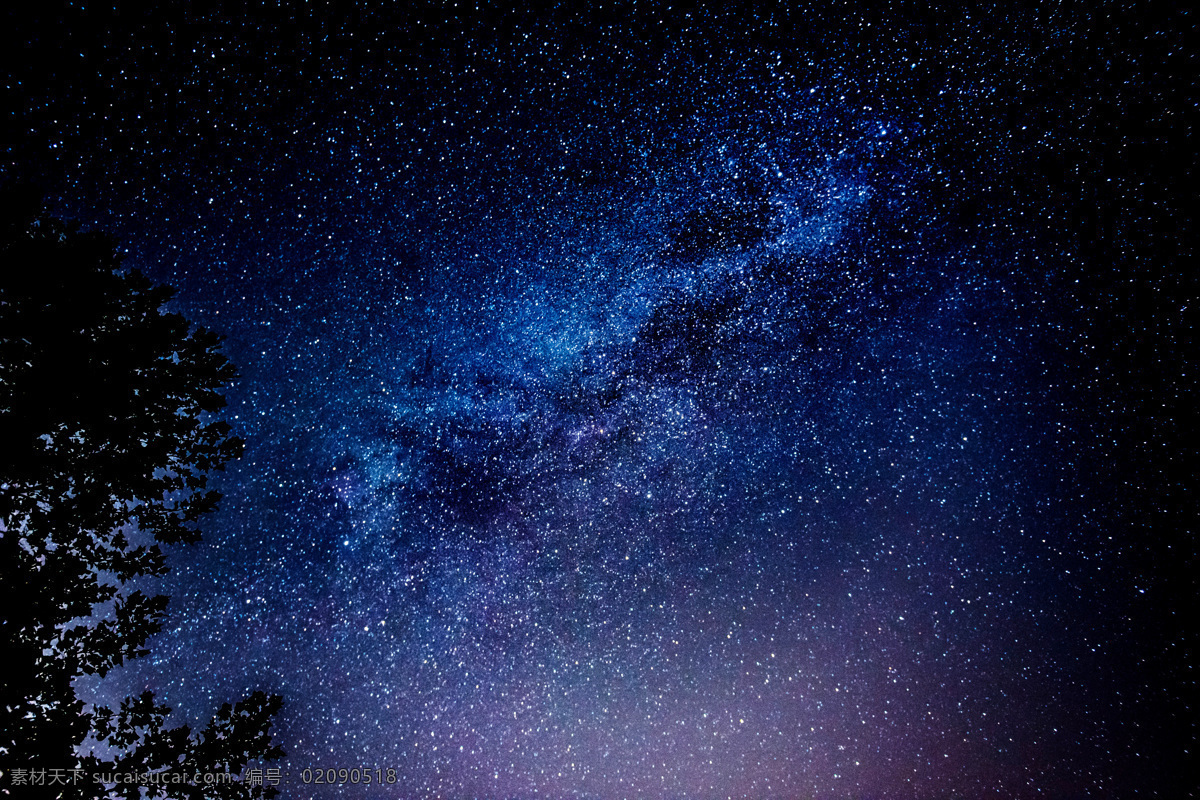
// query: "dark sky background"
[[649, 402]]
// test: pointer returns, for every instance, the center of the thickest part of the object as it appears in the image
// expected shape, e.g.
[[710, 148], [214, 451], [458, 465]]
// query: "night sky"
[[643, 402]]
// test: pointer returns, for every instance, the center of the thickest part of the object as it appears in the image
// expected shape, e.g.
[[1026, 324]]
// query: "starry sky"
[[742, 401]]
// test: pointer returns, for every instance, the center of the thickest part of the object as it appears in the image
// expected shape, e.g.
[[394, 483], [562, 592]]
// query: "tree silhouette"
[[107, 437]]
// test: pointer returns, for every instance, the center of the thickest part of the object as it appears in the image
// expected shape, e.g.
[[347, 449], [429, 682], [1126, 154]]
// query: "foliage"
[[107, 436]]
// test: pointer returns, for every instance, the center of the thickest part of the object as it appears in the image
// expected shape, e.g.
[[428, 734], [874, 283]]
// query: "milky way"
[[657, 403]]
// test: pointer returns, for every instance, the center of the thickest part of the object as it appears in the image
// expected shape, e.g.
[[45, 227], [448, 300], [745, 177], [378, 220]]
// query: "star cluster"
[[660, 403]]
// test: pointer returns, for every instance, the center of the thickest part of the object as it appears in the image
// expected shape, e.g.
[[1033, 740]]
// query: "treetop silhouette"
[[107, 436]]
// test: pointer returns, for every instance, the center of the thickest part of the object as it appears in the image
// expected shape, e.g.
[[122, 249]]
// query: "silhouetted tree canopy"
[[107, 436]]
